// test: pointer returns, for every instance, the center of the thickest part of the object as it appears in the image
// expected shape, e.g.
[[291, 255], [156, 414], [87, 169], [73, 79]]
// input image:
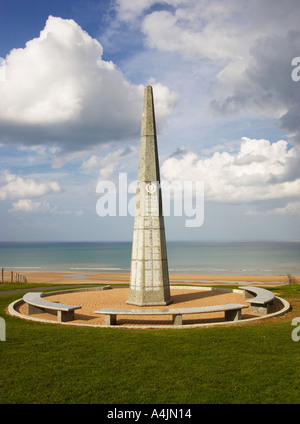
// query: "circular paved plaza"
[[183, 297]]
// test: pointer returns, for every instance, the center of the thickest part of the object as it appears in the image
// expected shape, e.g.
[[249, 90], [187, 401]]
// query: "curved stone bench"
[[261, 300], [232, 312], [36, 305]]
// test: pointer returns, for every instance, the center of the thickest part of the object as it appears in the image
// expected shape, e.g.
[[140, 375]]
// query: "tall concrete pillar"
[[149, 279]]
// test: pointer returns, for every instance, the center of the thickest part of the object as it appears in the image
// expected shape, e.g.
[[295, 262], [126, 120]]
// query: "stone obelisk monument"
[[149, 279]]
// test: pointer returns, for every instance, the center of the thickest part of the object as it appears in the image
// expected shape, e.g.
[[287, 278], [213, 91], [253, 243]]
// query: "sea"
[[232, 258]]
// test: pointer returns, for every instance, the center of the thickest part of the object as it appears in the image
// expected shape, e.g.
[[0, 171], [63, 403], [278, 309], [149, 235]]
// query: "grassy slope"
[[41, 363]]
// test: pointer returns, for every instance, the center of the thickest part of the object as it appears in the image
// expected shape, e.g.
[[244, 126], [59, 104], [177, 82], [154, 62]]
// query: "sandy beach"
[[123, 278]]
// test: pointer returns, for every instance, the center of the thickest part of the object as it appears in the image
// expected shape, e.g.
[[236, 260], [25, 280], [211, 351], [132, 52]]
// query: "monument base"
[[137, 303], [149, 297]]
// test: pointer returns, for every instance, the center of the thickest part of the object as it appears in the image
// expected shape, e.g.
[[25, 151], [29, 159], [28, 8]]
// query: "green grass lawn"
[[42, 363]]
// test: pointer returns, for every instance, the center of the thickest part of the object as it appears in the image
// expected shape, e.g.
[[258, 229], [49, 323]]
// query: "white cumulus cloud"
[[16, 187], [58, 89], [29, 206], [106, 164], [290, 209], [250, 46], [259, 170]]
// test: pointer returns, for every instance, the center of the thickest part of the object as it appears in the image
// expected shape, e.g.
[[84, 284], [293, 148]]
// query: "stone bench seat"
[[232, 312], [261, 302], [36, 305]]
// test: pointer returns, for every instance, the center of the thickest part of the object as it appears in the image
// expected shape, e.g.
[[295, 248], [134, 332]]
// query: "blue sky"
[[71, 89]]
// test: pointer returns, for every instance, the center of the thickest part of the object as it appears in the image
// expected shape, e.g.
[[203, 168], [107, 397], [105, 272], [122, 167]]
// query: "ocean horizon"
[[205, 257]]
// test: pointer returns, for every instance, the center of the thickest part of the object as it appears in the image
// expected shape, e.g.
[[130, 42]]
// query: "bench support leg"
[[110, 319], [31, 310], [233, 315], [65, 316], [259, 309], [177, 319]]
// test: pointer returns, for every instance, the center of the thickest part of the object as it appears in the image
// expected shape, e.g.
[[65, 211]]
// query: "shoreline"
[[59, 277]]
